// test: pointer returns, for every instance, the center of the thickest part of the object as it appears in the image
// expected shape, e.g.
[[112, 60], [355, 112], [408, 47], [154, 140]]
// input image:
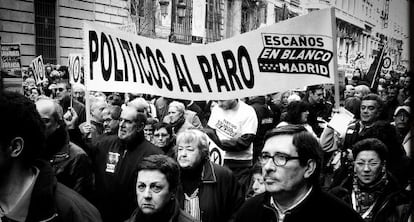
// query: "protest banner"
[[290, 54], [11, 59], [11, 78], [38, 69], [74, 68]]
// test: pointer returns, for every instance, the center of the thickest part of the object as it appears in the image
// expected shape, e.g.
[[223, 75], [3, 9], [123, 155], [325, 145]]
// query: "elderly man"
[[29, 190], [70, 163], [115, 161], [95, 128], [111, 115], [78, 91], [291, 163], [209, 192]]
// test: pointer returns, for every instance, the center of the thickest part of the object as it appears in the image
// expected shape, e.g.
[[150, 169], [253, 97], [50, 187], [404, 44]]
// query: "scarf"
[[366, 195], [178, 124], [191, 178]]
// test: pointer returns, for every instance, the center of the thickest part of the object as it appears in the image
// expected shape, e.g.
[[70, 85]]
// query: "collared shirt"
[[282, 213], [19, 210]]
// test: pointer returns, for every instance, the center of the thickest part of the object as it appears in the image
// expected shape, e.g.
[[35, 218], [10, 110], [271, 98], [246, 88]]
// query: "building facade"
[[53, 28]]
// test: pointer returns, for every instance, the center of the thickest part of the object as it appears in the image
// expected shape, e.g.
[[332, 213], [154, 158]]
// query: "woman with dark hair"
[[157, 183], [371, 189], [34, 94], [164, 139], [297, 114]]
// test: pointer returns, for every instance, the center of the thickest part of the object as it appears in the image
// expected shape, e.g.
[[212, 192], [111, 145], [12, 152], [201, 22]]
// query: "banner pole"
[[335, 60]]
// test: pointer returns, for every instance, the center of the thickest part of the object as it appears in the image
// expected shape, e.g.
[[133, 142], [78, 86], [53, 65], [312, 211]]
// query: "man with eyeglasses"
[[62, 95], [291, 164], [111, 116]]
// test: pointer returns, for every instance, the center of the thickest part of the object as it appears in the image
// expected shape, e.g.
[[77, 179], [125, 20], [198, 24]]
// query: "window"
[[142, 12], [214, 20], [182, 22], [45, 30]]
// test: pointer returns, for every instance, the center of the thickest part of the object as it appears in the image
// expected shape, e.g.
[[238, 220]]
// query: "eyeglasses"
[[279, 159], [369, 164], [60, 89], [160, 135]]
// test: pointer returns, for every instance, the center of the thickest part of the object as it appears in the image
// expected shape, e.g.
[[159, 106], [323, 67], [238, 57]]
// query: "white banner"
[[74, 68], [287, 55], [38, 69]]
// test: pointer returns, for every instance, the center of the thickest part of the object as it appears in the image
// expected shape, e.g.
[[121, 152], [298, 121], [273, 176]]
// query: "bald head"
[[97, 106], [51, 114]]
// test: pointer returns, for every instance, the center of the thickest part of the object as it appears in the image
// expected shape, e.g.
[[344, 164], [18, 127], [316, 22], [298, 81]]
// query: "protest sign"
[[74, 68], [340, 121], [216, 153], [38, 69], [11, 59], [289, 54]]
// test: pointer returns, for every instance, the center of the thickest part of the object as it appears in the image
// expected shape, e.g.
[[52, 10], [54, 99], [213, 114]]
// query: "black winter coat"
[[53, 201], [220, 194], [70, 163], [115, 165], [318, 206]]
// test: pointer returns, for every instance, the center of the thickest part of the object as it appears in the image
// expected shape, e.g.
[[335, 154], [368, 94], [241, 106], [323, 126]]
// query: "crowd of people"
[[139, 157]]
